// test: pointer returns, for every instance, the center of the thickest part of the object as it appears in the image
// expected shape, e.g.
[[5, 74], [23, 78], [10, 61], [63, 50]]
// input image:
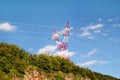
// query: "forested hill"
[[17, 64]]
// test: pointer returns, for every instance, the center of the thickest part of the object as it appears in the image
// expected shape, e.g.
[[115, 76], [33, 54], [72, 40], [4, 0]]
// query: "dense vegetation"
[[14, 62]]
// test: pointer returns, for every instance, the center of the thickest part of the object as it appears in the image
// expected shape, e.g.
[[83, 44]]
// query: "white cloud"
[[99, 19], [111, 39], [90, 30], [116, 25], [92, 63], [96, 26], [104, 34], [7, 27], [65, 54], [85, 33], [30, 49], [110, 20], [52, 50], [34, 17], [97, 31], [92, 52], [49, 49]]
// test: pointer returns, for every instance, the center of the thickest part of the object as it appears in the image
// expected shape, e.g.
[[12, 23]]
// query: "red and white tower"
[[62, 45], [56, 35]]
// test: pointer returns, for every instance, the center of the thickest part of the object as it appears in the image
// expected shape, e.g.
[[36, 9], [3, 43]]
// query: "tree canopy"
[[15, 61]]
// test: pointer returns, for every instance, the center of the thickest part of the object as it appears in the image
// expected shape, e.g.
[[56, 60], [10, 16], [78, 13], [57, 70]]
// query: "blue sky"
[[94, 39]]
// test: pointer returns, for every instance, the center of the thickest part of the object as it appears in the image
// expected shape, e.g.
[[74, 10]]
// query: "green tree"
[[55, 63], [44, 62]]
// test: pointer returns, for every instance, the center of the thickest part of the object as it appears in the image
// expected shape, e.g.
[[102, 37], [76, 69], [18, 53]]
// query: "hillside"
[[17, 64]]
